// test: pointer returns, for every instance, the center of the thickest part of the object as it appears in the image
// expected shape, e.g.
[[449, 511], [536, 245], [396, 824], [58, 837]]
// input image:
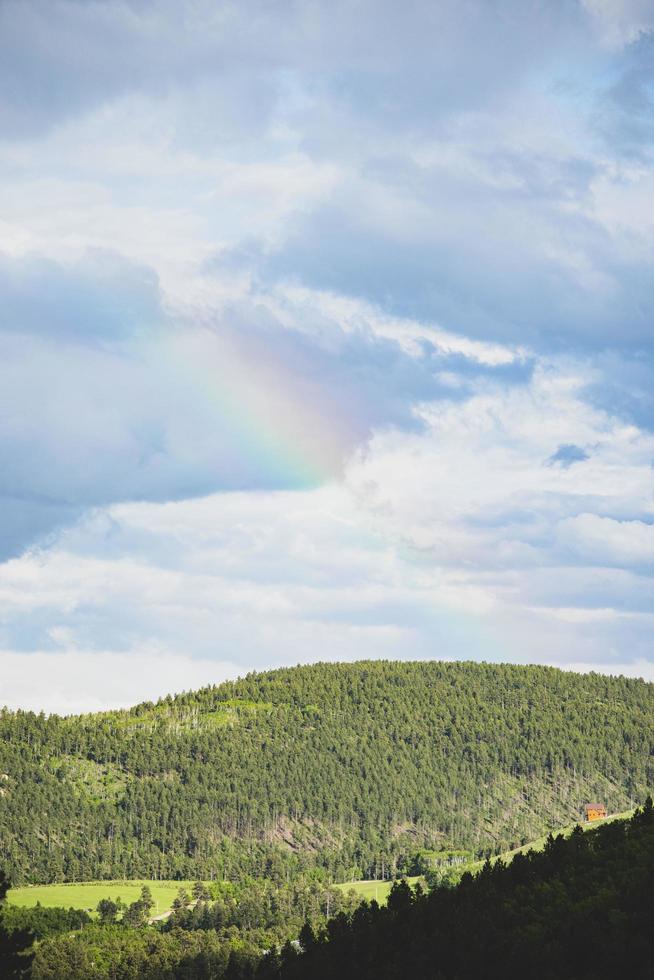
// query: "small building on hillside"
[[595, 811]]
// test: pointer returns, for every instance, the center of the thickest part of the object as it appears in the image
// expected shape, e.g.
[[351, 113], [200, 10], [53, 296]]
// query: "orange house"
[[595, 811]]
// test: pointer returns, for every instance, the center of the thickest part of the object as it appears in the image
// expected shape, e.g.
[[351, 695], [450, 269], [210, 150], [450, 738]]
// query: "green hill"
[[350, 767]]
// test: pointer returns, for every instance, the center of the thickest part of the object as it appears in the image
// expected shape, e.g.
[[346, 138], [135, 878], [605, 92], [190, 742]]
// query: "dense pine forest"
[[352, 770], [579, 909]]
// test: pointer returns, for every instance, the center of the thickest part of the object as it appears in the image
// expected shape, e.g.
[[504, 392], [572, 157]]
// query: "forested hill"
[[350, 767]]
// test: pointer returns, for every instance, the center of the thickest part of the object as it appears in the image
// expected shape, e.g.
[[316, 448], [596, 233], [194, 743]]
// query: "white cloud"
[[86, 680], [458, 542], [607, 541], [639, 668]]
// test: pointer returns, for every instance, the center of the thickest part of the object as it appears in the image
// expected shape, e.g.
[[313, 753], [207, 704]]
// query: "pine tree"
[[15, 958], [107, 911]]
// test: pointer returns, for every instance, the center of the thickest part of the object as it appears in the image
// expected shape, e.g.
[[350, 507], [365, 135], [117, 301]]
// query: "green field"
[[374, 889], [86, 895]]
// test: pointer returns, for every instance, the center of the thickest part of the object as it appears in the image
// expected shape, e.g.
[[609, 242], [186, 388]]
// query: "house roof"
[[595, 806]]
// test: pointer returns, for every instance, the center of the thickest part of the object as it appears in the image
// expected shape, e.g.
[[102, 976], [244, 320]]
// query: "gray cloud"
[[405, 66], [24, 520], [104, 297], [625, 386], [491, 265], [625, 108], [484, 227]]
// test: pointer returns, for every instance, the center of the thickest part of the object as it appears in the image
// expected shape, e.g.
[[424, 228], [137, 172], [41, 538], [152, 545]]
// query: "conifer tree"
[[15, 958]]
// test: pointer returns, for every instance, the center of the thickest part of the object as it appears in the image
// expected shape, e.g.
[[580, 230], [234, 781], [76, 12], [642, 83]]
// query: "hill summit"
[[350, 767]]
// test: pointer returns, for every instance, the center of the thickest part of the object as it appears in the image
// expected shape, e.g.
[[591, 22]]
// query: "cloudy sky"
[[326, 332]]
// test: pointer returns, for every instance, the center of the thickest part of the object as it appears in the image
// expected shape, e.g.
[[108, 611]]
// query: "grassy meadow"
[[374, 889], [86, 895]]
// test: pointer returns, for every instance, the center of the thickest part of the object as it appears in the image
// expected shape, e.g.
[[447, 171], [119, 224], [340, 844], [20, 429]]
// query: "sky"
[[326, 333]]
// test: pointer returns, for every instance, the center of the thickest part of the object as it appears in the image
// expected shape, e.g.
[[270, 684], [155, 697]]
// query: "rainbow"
[[276, 426]]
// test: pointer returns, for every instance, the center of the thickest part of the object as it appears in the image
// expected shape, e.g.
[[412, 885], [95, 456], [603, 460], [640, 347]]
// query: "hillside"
[[576, 910], [351, 767]]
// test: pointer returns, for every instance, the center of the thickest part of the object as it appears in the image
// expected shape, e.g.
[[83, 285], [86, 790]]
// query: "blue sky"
[[326, 332]]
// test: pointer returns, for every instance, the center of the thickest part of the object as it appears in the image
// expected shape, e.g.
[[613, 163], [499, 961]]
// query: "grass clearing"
[[379, 890], [96, 782], [86, 895]]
